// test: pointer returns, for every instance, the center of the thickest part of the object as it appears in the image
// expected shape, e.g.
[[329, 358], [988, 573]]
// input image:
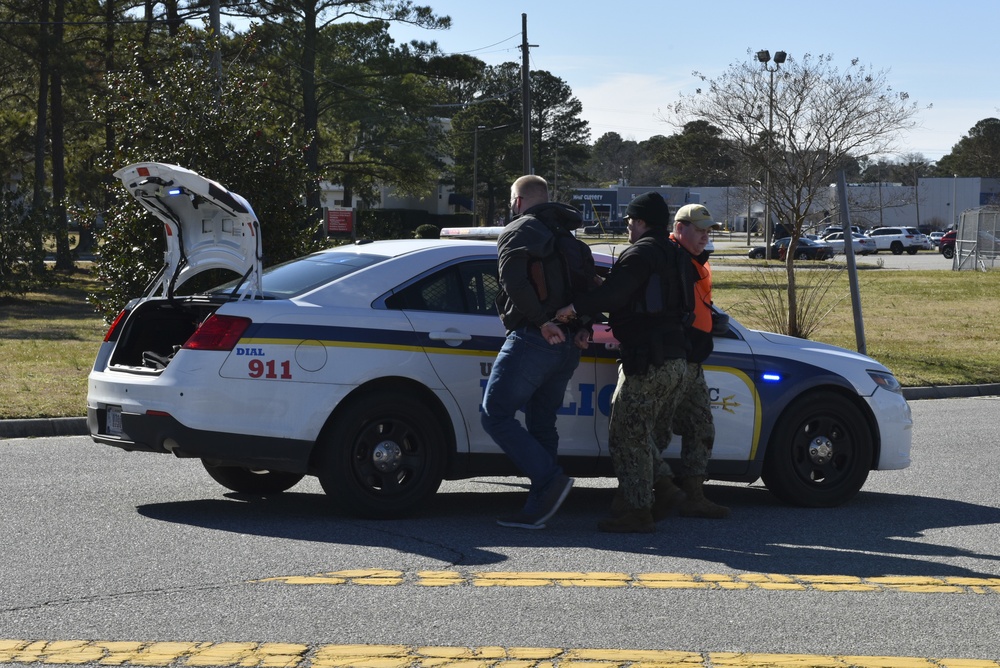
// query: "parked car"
[[947, 244], [899, 239], [862, 245], [806, 249], [837, 228], [935, 238], [364, 365]]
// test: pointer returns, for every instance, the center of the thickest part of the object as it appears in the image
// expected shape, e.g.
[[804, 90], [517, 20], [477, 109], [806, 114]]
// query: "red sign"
[[339, 220]]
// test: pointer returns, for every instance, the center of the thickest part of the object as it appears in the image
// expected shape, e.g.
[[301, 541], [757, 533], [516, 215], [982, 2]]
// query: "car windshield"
[[295, 277]]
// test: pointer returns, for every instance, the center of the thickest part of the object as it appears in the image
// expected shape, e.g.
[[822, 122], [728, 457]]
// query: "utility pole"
[[525, 96]]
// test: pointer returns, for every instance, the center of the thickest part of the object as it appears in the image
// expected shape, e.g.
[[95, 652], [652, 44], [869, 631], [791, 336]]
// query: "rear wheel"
[[383, 455], [757, 255], [820, 453], [251, 481], [912, 250], [801, 255]]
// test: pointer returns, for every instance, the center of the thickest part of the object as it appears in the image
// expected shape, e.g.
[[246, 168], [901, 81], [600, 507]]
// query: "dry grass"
[[47, 343], [929, 327]]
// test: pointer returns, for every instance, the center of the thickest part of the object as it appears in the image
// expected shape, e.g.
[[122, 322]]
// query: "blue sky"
[[627, 60]]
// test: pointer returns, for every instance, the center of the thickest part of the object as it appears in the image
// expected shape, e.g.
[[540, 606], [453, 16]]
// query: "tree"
[[613, 160], [698, 156], [242, 143], [558, 135], [819, 117], [975, 154], [493, 103], [302, 28]]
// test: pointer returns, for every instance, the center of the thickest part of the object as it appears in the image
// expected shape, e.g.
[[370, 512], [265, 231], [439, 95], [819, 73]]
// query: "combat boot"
[[667, 496], [696, 505], [632, 520]]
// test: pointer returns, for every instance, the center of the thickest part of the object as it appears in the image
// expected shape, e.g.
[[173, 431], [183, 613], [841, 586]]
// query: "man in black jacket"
[[542, 266], [649, 303]]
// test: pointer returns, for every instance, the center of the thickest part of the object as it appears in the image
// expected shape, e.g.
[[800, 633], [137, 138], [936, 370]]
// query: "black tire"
[[949, 252], [252, 481], [896, 247], [912, 250], [757, 255], [820, 452], [383, 455], [802, 255]]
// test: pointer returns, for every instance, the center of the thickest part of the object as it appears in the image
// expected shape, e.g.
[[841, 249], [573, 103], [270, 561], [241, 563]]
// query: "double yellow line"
[[291, 655], [769, 581]]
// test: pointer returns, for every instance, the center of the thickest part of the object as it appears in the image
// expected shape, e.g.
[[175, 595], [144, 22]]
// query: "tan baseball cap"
[[697, 215]]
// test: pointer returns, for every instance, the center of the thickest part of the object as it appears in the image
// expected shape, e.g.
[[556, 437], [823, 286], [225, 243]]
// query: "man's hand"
[[566, 314], [553, 333], [582, 339]]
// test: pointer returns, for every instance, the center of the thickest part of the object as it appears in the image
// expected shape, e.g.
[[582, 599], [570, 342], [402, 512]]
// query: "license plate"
[[114, 421]]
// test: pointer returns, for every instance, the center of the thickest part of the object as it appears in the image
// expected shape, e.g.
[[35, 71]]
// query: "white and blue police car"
[[364, 365]]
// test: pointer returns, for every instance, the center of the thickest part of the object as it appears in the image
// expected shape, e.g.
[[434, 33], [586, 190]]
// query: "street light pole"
[[765, 57], [475, 172]]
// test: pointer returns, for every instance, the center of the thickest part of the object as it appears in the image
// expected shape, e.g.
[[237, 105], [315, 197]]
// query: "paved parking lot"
[[735, 249]]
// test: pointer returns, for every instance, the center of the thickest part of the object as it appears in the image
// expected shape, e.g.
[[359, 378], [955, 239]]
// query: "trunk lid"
[[206, 226]]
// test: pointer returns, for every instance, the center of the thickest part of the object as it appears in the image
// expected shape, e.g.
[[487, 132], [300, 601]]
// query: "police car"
[[364, 365]]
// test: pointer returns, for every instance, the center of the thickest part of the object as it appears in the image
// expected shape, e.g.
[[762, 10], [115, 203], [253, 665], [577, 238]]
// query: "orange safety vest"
[[702, 295]]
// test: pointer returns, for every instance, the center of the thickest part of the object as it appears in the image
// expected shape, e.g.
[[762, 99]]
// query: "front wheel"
[[802, 255], [383, 455], [896, 247], [948, 252], [820, 452], [251, 481], [912, 250]]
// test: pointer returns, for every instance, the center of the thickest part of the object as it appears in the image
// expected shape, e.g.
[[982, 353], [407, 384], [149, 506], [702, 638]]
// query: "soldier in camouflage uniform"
[[648, 306], [692, 419]]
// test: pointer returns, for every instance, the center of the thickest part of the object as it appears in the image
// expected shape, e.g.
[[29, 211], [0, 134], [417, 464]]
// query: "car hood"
[[819, 348], [206, 226]]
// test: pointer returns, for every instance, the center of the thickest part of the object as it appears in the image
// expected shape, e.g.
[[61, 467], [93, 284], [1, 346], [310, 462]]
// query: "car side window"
[[481, 283], [469, 287]]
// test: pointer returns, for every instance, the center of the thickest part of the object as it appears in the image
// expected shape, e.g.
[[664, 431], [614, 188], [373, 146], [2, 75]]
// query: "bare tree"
[[800, 130]]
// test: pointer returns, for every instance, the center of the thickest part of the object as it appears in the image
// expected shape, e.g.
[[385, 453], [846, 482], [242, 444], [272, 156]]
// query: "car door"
[[453, 312]]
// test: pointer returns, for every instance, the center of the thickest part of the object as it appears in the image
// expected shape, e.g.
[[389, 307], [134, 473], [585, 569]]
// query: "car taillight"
[[113, 329], [218, 332]]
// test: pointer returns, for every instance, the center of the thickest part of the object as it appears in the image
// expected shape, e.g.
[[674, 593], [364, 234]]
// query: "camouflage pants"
[[638, 403], [692, 420]]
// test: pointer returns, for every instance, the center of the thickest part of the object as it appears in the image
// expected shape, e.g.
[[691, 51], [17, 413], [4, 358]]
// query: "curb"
[[44, 427], [951, 391]]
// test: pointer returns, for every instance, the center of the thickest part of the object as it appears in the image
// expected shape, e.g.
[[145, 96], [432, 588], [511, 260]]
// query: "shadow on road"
[[875, 534]]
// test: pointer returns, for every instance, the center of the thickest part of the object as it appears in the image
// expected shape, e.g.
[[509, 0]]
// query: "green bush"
[[427, 232]]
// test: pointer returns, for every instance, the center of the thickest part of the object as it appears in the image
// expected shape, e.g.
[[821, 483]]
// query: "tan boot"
[[696, 505], [667, 497], [633, 520]]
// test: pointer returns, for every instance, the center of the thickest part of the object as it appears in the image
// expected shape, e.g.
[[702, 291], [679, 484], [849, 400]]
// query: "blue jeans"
[[530, 374]]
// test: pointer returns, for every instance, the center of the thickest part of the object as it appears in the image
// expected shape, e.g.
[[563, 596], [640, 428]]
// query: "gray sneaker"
[[521, 520], [541, 506], [553, 496]]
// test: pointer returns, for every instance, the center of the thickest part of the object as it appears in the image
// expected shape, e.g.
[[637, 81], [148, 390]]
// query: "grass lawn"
[[929, 327]]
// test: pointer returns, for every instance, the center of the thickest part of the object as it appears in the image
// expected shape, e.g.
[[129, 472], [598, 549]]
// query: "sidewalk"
[[72, 426]]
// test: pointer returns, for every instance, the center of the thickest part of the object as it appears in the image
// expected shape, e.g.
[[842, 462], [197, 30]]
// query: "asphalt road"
[[142, 559]]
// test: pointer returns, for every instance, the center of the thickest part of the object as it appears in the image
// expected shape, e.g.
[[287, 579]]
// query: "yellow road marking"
[[293, 655], [767, 581]]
